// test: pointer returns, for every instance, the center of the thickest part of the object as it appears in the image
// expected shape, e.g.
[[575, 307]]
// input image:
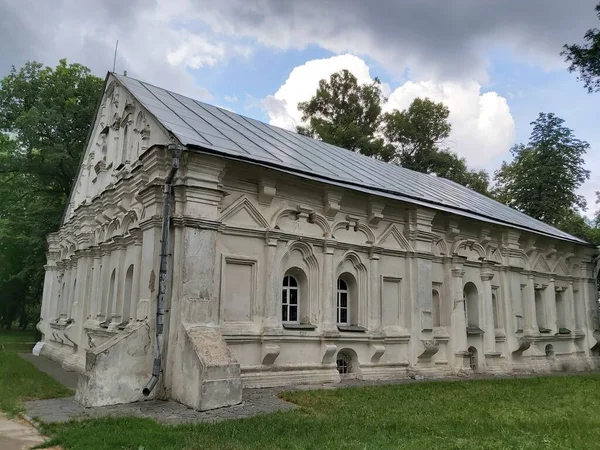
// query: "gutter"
[[162, 277]]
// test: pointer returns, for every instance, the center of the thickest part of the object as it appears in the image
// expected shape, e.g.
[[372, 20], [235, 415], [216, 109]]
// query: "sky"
[[495, 64]]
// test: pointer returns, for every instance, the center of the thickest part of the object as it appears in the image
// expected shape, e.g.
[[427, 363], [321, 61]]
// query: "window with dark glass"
[[342, 302], [289, 299]]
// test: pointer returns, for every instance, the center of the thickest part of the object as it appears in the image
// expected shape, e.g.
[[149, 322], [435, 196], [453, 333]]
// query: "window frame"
[[286, 295], [338, 307]]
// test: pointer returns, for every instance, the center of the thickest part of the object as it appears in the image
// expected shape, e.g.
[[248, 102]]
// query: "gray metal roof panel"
[[221, 131]]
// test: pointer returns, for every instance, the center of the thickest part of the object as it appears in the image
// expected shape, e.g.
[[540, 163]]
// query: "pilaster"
[[550, 299], [458, 322], [489, 337], [328, 293], [272, 322], [531, 327], [375, 300]]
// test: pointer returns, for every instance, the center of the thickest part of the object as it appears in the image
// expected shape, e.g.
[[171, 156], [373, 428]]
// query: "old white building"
[[290, 261]]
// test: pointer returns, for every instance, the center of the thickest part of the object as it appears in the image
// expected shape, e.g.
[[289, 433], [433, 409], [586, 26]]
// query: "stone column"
[[48, 300], [79, 279], [578, 304], [94, 299], [66, 294], [137, 270], [272, 321], [569, 307], [56, 294], [550, 299], [375, 300], [489, 337], [530, 324], [458, 321], [328, 294], [116, 316], [86, 287], [104, 280]]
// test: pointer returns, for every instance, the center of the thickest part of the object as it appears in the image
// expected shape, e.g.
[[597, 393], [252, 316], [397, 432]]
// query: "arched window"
[[342, 302], [128, 293], [111, 294], [560, 310], [539, 310], [124, 155], [72, 298], [472, 305], [436, 310], [289, 300], [495, 311], [473, 360]]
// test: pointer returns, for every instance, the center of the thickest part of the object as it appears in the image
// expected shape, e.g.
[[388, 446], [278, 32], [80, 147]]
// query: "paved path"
[[53, 369], [17, 434], [255, 401]]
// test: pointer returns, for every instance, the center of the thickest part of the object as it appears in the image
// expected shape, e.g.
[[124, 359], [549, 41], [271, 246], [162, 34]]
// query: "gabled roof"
[[215, 130]]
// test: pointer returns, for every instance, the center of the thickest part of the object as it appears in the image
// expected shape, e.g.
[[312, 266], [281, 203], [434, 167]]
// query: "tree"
[[345, 114], [349, 115], [416, 136], [45, 114], [543, 178], [585, 59], [416, 133], [48, 112]]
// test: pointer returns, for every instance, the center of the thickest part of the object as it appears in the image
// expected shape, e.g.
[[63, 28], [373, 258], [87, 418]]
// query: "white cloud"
[[482, 126], [231, 98]]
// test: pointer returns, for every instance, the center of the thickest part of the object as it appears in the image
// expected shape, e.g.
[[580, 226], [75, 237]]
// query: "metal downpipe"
[[162, 275]]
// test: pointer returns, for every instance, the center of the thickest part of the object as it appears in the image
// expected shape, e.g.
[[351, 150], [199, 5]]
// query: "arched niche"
[[301, 223], [470, 249], [300, 261], [471, 296], [353, 233], [436, 307], [353, 271]]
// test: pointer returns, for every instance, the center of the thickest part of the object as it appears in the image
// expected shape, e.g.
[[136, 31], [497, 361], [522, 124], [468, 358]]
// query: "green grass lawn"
[[557, 412], [20, 380]]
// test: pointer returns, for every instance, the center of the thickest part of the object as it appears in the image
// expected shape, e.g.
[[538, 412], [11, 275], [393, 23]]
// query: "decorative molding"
[[332, 198], [393, 231], [267, 190], [374, 211], [244, 204]]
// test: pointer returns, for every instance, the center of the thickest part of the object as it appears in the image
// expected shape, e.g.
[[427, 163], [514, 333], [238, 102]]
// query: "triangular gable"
[[243, 212], [561, 268], [540, 264], [393, 238], [121, 131]]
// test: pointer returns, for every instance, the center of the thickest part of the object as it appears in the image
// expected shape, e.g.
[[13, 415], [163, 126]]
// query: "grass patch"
[[557, 412], [20, 380]]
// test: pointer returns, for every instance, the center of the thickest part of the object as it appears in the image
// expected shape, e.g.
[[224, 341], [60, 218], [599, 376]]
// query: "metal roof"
[[203, 126]]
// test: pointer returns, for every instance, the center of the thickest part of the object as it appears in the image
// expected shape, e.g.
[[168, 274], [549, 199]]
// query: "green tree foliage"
[[545, 174], [585, 59], [416, 133], [344, 113], [416, 136], [45, 114]]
